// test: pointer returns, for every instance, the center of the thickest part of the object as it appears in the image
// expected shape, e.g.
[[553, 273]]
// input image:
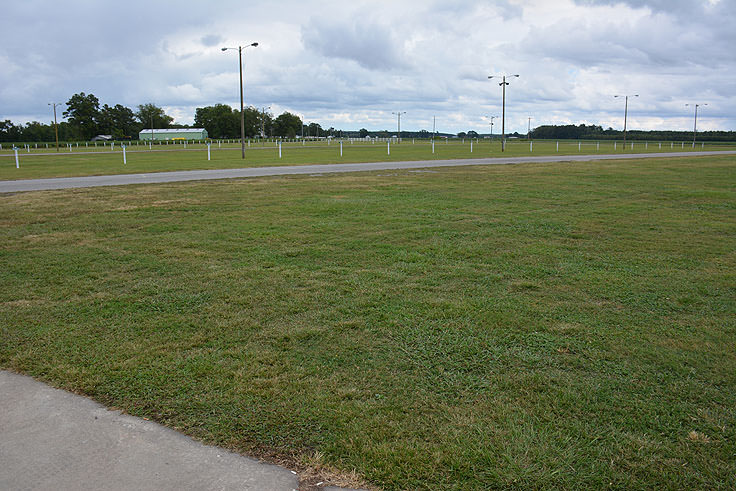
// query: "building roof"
[[173, 130]]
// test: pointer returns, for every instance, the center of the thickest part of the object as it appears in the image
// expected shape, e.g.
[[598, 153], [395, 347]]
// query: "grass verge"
[[41, 164]]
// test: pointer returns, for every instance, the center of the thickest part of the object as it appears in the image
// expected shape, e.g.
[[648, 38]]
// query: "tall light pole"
[[242, 110], [529, 129], [695, 126], [503, 84], [56, 126], [626, 112], [398, 114], [492, 118], [263, 122]]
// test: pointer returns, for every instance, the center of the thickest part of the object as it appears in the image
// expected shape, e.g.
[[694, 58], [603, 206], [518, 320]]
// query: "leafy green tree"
[[9, 132], [37, 132], [314, 129], [287, 125], [219, 120], [252, 122], [363, 132], [83, 113], [150, 113], [118, 121]]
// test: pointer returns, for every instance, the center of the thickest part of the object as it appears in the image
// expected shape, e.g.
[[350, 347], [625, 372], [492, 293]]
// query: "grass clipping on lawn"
[[558, 325]]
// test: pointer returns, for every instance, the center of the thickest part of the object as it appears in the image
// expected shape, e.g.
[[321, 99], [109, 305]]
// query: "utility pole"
[[626, 112], [242, 110], [503, 84], [529, 129], [492, 118], [263, 123], [695, 126], [398, 134], [56, 126]]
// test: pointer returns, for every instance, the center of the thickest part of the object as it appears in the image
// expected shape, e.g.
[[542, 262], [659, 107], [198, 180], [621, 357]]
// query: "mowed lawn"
[[43, 163], [530, 326]]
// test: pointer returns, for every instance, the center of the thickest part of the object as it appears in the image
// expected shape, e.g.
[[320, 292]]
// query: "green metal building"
[[173, 134]]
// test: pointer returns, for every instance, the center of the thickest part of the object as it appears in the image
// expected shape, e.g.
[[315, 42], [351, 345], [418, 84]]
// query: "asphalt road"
[[202, 175]]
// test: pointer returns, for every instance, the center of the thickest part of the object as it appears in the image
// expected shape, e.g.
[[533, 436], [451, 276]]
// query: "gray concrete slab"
[[197, 175], [55, 440]]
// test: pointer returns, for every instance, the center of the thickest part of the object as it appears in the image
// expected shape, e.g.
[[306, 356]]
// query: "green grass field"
[[531, 326], [101, 161]]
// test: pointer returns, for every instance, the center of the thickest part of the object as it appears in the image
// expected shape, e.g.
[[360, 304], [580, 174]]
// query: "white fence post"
[[388, 147], [17, 162], [279, 149], [340, 148], [125, 158], [209, 154]]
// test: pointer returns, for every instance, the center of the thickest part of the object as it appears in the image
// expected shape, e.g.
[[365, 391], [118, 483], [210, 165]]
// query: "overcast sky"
[[351, 64]]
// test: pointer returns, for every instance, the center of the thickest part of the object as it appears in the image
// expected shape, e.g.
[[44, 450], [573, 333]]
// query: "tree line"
[[593, 132], [85, 119]]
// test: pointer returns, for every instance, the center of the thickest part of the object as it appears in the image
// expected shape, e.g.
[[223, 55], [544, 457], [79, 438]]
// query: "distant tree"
[[9, 132], [150, 113], [472, 134], [462, 134], [314, 129], [287, 125], [363, 132], [257, 122], [219, 120], [37, 132], [83, 113], [118, 121]]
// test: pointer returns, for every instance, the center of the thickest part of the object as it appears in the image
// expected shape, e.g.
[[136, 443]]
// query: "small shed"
[[173, 134]]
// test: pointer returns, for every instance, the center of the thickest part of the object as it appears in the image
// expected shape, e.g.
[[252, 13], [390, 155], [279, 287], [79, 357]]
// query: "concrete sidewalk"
[[55, 440]]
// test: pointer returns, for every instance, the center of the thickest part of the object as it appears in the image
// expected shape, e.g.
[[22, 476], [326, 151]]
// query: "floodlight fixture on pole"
[[398, 114], [626, 112], [242, 109], [695, 126], [56, 126], [492, 118], [503, 84]]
